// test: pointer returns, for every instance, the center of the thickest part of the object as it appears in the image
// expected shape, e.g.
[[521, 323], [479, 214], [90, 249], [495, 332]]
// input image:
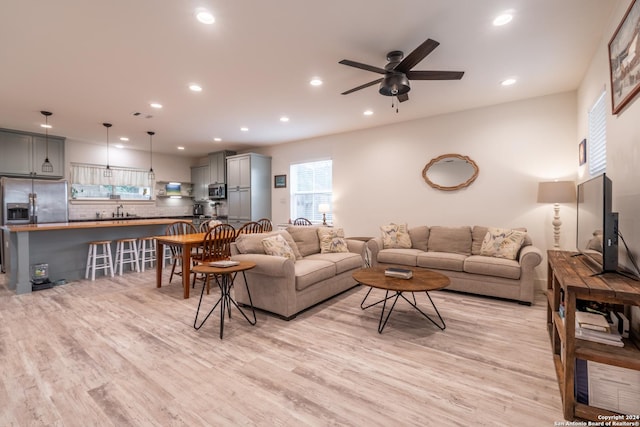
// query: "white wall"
[[623, 139], [377, 172]]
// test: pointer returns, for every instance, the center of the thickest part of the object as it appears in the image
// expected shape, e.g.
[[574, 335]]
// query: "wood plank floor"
[[122, 352]]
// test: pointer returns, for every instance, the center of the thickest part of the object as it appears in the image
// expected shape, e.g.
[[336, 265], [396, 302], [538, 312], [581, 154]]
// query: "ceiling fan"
[[397, 73]]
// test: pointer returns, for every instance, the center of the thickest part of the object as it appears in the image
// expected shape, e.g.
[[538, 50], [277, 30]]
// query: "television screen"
[[597, 225]]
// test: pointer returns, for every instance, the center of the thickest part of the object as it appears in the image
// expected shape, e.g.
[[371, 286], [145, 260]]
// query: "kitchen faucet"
[[118, 213]]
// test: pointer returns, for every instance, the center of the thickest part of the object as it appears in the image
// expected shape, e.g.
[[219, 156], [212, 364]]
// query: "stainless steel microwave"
[[217, 191]]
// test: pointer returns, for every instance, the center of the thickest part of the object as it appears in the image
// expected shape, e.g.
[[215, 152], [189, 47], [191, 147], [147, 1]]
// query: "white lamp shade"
[[557, 192], [323, 207]]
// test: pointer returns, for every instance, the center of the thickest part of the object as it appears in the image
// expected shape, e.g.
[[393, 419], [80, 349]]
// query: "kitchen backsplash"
[[162, 208]]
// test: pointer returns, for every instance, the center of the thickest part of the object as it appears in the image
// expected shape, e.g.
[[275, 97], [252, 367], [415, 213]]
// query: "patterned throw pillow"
[[502, 243], [278, 246], [395, 236], [332, 240]]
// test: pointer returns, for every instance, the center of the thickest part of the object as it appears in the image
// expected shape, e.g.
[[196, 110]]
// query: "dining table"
[[184, 241]]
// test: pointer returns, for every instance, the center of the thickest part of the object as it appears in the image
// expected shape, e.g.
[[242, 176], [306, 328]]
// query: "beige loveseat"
[[457, 252], [285, 287]]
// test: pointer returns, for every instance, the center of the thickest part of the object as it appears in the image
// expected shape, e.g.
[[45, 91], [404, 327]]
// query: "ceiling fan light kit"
[[397, 73]]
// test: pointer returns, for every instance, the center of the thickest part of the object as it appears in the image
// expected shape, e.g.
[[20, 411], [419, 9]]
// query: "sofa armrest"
[[269, 265], [374, 245], [530, 257], [356, 246]]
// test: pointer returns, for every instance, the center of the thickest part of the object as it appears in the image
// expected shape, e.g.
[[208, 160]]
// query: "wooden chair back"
[[249, 227], [301, 221], [266, 224], [217, 243]]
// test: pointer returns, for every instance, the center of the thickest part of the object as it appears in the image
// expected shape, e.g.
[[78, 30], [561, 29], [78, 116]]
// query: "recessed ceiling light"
[[315, 81], [155, 105], [180, 148], [284, 119], [205, 16], [508, 82], [196, 88], [45, 126], [503, 19], [124, 138], [217, 139], [244, 129], [368, 113]]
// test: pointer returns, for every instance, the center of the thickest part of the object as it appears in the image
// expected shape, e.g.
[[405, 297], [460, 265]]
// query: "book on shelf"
[[401, 273], [593, 321], [610, 338]]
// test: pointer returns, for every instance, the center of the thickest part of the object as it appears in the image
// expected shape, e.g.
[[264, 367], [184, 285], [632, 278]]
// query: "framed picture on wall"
[[582, 152], [280, 181], [624, 66]]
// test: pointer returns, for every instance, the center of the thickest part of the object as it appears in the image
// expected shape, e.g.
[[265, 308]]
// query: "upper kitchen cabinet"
[[200, 179], [23, 154], [218, 166]]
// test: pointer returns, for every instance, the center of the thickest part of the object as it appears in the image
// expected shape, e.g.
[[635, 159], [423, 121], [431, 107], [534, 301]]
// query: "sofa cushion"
[[398, 256], [441, 260], [455, 240], [252, 243], [491, 266], [502, 243], [306, 238], [310, 271], [278, 246], [419, 237], [395, 236], [332, 240], [343, 261], [480, 231]]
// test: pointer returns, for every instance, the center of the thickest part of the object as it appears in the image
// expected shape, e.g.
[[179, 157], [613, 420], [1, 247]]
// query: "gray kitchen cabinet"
[[200, 180], [23, 154], [218, 166], [248, 187]]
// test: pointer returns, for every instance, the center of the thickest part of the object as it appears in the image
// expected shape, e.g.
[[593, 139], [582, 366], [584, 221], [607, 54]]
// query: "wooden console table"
[[568, 274]]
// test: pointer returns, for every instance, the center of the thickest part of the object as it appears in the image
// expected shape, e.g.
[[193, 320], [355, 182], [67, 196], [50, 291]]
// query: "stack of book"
[[400, 273], [595, 327]]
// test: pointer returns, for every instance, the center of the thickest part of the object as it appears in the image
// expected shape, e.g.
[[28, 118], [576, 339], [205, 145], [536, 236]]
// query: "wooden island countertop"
[[90, 224]]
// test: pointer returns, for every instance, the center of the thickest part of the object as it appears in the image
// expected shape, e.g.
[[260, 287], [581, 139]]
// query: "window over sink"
[[89, 183]]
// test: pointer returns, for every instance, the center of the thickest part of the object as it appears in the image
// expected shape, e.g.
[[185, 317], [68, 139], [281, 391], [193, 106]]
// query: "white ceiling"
[[90, 61]]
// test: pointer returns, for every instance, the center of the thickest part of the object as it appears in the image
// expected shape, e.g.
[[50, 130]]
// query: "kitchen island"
[[64, 246]]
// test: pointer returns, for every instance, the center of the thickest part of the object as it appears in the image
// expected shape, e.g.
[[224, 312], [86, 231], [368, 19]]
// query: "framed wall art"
[[280, 181], [624, 59]]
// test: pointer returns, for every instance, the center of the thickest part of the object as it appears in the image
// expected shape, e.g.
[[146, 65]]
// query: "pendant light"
[[46, 166], [152, 175], [107, 172]]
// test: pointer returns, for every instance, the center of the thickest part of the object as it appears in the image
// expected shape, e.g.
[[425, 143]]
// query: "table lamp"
[[323, 208], [556, 192]]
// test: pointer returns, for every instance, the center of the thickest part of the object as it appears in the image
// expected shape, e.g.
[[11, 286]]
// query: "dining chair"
[[216, 246], [175, 229], [266, 224], [301, 221], [249, 227]]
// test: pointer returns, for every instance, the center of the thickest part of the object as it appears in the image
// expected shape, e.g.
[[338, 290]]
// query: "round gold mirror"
[[450, 172]]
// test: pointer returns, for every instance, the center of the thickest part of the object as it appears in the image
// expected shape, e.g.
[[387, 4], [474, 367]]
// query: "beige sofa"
[[457, 253], [286, 287]]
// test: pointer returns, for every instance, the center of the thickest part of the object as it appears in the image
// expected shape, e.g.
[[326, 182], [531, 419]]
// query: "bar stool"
[[127, 247], [105, 259], [147, 251]]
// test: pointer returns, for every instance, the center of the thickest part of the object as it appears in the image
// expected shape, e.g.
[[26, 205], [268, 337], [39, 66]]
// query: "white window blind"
[[597, 140], [311, 185]]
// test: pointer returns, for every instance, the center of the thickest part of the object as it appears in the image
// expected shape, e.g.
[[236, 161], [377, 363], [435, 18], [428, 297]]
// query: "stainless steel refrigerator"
[[31, 201]]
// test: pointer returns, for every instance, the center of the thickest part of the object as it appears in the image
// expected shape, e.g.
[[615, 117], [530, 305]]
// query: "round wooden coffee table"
[[423, 280]]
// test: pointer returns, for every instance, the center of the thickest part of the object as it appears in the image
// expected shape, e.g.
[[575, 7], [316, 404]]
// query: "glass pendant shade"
[[107, 172], [47, 167]]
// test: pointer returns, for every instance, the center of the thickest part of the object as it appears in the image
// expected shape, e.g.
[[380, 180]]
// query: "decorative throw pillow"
[[332, 240], [395, 236], [278, 246], [502, 243]]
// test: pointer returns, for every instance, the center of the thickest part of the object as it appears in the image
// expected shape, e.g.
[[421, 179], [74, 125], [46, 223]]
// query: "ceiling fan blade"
[[435, 75], [363, 66], [417, 55], [362, 86], [403, 97]]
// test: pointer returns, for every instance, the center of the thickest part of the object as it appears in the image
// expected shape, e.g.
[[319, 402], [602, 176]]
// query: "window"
[[597, 140], [88, 182], [311, 185]]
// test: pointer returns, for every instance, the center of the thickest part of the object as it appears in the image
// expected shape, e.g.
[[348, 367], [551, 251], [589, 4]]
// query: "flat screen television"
[[597, 225]]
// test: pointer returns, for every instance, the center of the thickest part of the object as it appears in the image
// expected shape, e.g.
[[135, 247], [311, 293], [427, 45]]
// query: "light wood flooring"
[[120, 352]]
